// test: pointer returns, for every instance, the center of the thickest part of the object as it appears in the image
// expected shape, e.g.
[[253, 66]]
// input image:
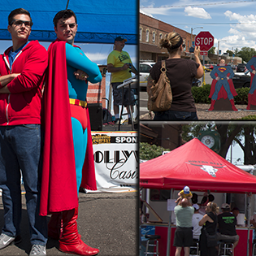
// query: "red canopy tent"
[[195, 165], [200, 168]]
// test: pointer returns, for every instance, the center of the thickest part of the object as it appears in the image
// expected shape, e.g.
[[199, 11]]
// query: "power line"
[[182, 6]]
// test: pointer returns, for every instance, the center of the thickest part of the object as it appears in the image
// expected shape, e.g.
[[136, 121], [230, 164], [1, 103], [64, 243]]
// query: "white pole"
[[248, 223], [169, 229]]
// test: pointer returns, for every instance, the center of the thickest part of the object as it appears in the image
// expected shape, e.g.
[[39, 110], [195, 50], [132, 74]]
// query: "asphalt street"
[[107, 221]]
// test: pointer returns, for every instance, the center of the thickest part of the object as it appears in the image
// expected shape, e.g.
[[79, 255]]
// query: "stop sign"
[[205, 40]]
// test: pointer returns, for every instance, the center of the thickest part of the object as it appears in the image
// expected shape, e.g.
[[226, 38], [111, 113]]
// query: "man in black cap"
[[227, 225], [120, 65]]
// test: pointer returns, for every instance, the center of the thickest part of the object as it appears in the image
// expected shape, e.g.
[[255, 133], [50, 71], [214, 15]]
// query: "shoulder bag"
[[160, 93]]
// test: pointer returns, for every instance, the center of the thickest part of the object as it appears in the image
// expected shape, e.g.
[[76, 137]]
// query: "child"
[[185, 193]]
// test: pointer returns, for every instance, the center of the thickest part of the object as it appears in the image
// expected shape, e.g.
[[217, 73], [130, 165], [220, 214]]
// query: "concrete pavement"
[[107, 221]]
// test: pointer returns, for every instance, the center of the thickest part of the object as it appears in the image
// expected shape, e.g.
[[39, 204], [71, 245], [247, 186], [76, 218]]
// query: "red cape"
[[59, 188], [253, 100]]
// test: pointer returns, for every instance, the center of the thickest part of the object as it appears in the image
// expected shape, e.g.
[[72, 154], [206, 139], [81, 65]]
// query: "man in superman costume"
[[251, 66], [222, 84], [68, 154]]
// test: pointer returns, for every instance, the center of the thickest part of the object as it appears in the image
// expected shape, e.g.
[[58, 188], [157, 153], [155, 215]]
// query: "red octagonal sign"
[[205, 40]]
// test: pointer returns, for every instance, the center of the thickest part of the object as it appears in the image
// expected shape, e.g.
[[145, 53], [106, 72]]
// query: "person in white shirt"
[[195, 222]]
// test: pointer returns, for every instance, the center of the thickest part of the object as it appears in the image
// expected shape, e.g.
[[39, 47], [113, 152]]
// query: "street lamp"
[[218, 49], [192, 34]]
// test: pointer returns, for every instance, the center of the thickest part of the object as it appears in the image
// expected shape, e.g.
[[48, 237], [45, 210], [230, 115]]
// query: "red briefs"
[[79, 113]]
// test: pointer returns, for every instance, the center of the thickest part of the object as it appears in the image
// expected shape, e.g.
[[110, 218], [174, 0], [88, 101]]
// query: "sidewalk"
[[106, 221], [204, 115]]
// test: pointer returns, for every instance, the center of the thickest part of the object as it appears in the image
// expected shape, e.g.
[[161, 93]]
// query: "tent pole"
[[248, 222], [169, 229], [67, 5]]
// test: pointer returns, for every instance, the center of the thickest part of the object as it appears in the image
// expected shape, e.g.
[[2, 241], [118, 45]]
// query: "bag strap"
[[163, 68]]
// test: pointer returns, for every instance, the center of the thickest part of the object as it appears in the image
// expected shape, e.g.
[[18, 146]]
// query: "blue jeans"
[[170, 115], [20, 151]]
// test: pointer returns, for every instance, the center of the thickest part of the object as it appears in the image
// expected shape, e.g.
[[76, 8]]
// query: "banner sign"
[[116, 159]]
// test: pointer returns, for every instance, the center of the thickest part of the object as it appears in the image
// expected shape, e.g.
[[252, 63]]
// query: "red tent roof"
[[195, 165]]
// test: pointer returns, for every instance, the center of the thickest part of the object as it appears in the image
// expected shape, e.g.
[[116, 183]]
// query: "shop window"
[[147, 36], [154, 37], [140, 34]]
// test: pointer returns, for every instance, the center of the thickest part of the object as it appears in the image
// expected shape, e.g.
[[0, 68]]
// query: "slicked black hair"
[[64, 14]]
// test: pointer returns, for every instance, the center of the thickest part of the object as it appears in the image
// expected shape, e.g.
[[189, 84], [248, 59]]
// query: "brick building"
[[151, 31], [96, 92]]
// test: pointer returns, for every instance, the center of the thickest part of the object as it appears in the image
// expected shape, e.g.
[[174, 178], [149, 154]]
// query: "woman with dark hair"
[[209, 223], [180, 72]]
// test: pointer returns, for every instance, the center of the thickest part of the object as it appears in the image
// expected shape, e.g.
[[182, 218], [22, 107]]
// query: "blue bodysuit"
[[222, 72], [252, 62], [76, 59]]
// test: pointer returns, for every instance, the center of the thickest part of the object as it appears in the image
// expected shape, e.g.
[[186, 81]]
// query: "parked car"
[[241, 68], [242, 79], [209, 66], [234, 67], [144, 68]]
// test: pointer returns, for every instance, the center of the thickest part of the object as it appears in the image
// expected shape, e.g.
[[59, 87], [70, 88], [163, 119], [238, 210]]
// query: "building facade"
[[151, 31]]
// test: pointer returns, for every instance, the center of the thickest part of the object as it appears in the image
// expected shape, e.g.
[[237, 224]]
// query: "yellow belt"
[[78, 102]]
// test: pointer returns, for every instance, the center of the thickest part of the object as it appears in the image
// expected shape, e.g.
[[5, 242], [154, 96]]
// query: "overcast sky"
[[232, 23]]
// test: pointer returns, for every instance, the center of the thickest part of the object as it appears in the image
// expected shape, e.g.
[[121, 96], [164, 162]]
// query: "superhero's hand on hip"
[[217, 78], [81, 75]]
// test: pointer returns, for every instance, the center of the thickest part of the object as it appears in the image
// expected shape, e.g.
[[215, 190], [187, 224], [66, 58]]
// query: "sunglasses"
[[183, 45], [19, 23]]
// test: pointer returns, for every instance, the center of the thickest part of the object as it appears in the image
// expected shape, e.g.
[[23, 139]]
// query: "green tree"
[[230, 53], [236, 52], [212, 50], [242, 134], [246, 53], [148, 151]]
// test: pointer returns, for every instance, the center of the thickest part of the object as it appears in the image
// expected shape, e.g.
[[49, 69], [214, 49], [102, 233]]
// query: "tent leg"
[[169, 229], [248, 223]]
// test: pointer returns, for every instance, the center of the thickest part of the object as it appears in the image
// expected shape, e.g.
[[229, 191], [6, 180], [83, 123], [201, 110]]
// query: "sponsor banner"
[[116, 160]]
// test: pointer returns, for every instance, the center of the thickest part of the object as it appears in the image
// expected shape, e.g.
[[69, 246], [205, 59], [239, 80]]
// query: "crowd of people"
[[192, 226]]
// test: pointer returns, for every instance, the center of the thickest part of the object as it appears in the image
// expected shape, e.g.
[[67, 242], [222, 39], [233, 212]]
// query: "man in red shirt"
[[22, 69]]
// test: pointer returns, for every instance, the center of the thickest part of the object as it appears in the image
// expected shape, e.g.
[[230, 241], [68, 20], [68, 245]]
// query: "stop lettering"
[[205, 40]]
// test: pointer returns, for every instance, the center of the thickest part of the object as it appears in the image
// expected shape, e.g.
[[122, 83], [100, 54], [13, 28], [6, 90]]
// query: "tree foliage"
[[148, 151], [242, 134], [212, 50], [230, 53], [246, 53]]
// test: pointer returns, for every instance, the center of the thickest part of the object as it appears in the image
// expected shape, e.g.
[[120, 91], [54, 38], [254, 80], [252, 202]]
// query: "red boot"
[[233, 105], [249, 101], [70, 241], [212, 105], [55, 226]]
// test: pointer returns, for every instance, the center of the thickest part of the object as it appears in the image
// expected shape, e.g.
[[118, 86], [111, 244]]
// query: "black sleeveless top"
[[211, 226]]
